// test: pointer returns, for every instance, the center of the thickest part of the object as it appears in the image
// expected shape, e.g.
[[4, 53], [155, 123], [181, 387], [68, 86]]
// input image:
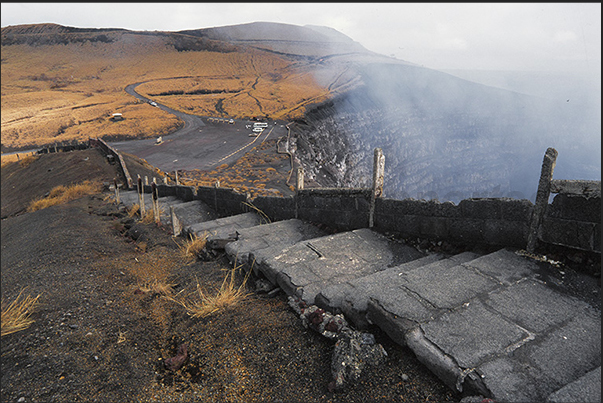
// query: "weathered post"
[[176, 225], [116, 191], [542, 196], [176, 176], [378, 179], [299, 185], [165, 180], [146, 180], [140, 197], [300, 179], [155, 202], [154, 180]]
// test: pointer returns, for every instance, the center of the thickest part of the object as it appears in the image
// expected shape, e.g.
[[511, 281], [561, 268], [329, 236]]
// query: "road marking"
[[247, 145]]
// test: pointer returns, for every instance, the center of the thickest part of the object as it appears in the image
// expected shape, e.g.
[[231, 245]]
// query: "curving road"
[[202, 143]]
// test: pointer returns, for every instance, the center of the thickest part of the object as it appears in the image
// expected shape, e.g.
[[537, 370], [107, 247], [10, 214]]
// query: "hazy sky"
[[493, 36]]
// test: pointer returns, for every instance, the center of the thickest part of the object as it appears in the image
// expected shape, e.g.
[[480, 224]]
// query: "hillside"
[[63, 83], [104, 327]]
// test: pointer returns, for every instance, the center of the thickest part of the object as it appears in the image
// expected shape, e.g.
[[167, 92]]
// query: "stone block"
[[466, 230], [507, 233], [481, 208], [516, 210]]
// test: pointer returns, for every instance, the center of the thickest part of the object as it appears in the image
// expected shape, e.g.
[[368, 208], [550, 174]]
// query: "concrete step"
[[490, 325], [222, 231], [279, 234], [193, 212], [307, 267]]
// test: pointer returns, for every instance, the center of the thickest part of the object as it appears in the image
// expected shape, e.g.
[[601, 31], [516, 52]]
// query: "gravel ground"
[[104, 333]]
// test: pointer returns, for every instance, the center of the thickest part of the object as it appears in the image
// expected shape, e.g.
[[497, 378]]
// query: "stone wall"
[[492, 221], [571, 220]]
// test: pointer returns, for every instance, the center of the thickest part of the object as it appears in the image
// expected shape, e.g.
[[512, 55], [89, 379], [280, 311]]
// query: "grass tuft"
[[156, 286], [62, 194], [16, 315], [194, 246], [228, 295]]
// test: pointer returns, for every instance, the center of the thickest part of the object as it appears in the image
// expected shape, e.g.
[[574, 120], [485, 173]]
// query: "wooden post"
[[140, 197], [176, 174], [165, 180], [146, 180], [542, 197], [378, 179], [116, 191], [155, 202]]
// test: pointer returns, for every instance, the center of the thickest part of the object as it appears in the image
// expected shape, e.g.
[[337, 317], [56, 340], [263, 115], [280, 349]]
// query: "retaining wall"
[[108, 150]]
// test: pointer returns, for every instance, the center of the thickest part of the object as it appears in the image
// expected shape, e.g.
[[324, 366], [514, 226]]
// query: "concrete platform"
[[278, 234], [308, 267], [221, 231], [490, 325]]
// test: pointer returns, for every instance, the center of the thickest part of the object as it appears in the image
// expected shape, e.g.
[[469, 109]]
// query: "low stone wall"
[[573, 221], [343, 209], [108, 150], [492, 221]]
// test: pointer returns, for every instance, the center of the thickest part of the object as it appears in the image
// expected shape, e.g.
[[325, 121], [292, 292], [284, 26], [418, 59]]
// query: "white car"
[[153, 103], [258, 129]]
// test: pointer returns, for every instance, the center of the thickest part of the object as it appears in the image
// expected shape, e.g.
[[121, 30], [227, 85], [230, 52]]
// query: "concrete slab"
[[534, 306], [351, 297], [585, 389], [566, 353], [221, 231], [349, 254], [192, 212], [396, 299], [505, 266], [473, 333], [281, 233], [447, 287]]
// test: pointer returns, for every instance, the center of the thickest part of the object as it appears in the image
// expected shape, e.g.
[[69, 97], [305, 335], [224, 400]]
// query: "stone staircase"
[[496, 325]]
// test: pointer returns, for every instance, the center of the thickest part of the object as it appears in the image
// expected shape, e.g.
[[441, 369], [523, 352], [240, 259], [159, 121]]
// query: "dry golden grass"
[[156, 286], [249, 174], [194, 245], [53, 93], [203, 304], [16, 315], [132, 211], [23, 158], [149, 216], [62, 194]]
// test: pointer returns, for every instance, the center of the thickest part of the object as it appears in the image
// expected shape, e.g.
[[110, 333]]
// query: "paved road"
[[203, 143]]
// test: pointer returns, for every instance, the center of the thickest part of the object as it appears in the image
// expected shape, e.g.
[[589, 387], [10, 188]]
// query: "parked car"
[[153, 103]]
